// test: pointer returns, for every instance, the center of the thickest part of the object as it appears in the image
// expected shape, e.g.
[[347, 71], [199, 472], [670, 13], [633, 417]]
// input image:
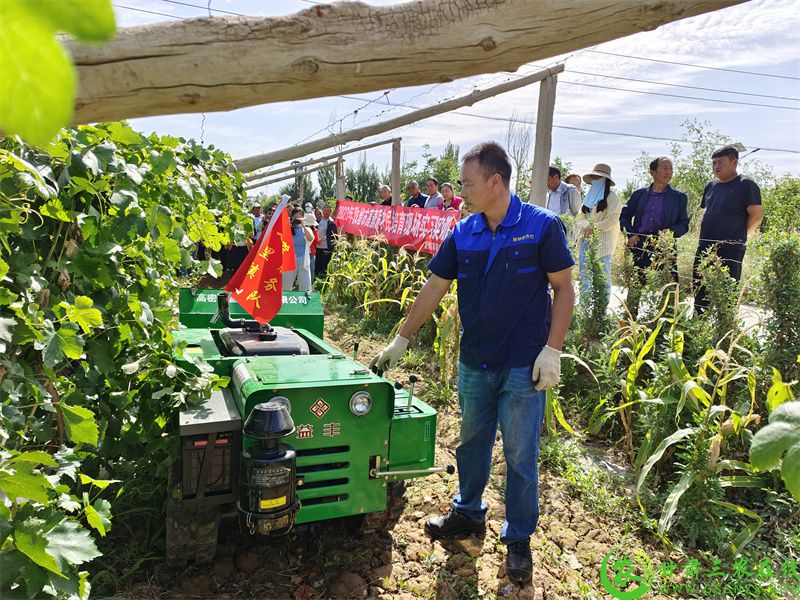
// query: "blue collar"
[[513, 215]]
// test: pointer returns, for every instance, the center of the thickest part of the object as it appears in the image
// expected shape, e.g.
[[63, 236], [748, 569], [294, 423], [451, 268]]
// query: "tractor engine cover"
[[237, 342]]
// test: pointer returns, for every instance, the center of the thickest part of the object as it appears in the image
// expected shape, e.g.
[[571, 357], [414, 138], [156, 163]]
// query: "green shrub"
[[93, 233], [780, 298]]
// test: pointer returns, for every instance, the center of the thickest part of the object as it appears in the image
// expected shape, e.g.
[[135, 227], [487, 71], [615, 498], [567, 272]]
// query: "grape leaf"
[[84, 314], [69, 543], [68, 503], [99, 516], [100, 483], [771, 441], [24, 483], [59, 344], [38, 457], [38, 80], [29, 538], [38, 89], [55, 210], [80, 424]]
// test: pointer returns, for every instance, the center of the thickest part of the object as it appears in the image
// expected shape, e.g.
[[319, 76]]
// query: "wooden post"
[[340, 180], [251, 163], [314, 161], [544, 140], [396, 200], [258, 184]]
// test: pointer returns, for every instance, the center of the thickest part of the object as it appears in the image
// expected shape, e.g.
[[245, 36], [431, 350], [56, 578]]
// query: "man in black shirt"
[[733, 211]]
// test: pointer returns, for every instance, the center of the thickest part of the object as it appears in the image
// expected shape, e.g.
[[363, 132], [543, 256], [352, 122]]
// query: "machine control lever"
[[449, 469]]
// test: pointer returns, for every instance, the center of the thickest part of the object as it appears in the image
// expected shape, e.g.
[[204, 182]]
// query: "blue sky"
[[762, 36]]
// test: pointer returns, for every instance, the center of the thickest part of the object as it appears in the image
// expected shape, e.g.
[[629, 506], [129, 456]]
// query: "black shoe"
[[453, 524], [519, 564]]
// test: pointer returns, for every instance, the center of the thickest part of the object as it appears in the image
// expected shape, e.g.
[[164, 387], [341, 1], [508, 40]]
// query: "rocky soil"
[[401, 562]]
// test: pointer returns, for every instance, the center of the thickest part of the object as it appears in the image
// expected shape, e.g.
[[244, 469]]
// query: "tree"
[[519, 139], [326, 180], [292, 189], [445, 167], [692, 167], [782, 205], [362, 182]]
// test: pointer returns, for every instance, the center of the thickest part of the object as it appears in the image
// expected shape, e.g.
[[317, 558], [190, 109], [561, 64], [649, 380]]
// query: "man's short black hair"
[[348, 197], [554, 171], [492, 159], [726, 151], [656, 161], [433, 179]]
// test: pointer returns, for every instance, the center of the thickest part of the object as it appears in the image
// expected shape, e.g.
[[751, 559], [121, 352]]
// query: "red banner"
[[421, 229]]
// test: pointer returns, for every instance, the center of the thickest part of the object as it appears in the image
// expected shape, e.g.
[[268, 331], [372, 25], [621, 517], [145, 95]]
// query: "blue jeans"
[[508, 397], [583, 271]]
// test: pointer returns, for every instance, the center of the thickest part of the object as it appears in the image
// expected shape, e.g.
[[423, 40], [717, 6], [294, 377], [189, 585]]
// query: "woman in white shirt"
[[599, 215]]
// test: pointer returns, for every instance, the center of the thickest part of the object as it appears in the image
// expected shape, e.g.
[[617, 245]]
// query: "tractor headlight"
[[360, 403], [283, 400]]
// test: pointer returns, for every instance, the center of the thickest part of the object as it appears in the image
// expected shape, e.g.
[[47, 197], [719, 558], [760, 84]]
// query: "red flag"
[[258, 284]]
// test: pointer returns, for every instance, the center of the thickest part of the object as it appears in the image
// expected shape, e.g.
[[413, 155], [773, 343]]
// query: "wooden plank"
[[223, 63]]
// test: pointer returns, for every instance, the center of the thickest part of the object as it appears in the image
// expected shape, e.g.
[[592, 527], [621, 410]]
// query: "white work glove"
[[547, 368], [390, 355]]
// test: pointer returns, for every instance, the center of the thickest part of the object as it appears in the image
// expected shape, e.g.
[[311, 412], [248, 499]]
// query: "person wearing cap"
[[651, 210], [302, 238], [311, 223], [308, 208], [599, 215], [505, 257], [562, 198], [733, 211], [258, 220]]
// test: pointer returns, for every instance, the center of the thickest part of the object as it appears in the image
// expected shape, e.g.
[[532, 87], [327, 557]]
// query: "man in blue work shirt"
[[503, 256]]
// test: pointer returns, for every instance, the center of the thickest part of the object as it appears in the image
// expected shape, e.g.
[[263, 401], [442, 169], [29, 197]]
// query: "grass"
[[596, 488]]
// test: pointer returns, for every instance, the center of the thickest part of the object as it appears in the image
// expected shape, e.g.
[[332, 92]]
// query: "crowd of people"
[[314, 234], [732, 204], [731, 201]]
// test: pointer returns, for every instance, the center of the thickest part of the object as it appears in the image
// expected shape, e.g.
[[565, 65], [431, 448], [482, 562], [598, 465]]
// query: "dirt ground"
[[402, 562]]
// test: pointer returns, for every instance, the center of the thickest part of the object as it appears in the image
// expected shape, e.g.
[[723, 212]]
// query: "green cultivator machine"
[[301, 434]]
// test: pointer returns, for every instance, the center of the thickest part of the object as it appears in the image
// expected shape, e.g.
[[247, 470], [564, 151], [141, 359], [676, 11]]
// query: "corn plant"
[[384, 281]]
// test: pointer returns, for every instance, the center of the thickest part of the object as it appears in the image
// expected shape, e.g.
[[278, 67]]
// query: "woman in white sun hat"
[[598, 216]]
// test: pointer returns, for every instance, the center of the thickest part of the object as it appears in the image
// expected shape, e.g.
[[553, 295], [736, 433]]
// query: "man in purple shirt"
[[651, 210]]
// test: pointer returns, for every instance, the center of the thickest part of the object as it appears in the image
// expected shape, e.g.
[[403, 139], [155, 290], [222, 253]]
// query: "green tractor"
[[301, 434]]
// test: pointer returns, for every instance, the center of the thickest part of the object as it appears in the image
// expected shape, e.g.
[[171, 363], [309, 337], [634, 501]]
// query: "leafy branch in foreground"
[[38, 90], [93, 235]]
